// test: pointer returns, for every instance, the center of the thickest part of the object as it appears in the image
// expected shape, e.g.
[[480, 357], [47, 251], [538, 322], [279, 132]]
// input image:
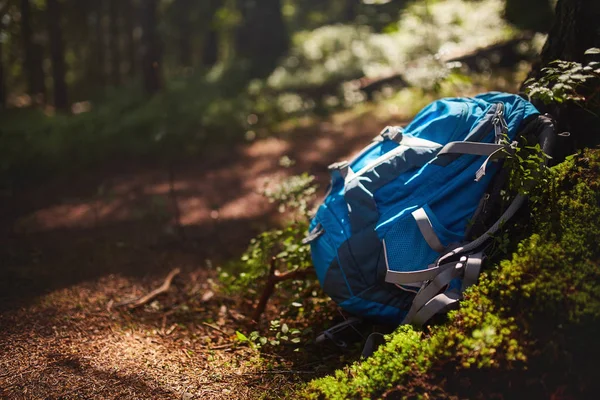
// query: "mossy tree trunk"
[[576, 28]]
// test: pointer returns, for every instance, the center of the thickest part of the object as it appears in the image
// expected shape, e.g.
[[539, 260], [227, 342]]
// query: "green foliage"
[[538, 308], [334, 53], [176, 123], [528, 170], [294, 196], [284, 247], [278, 334], [566, 81]]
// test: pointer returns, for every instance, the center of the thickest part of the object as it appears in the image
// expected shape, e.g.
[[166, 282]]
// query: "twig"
[[131, 304], [277, 372], [273, 279], [216, 328], [222, 346]]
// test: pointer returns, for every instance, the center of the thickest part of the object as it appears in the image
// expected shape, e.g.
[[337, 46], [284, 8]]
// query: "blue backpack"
[[391, 240]]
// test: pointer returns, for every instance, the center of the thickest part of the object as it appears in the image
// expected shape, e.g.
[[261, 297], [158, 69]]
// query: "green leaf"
[[593, 50], [284, 328], [240, 336]]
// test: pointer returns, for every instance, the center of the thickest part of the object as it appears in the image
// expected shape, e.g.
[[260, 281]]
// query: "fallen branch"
[[273, 279], [131, 304]]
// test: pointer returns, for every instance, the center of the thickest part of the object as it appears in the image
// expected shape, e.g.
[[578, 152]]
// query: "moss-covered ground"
[[529, 329]]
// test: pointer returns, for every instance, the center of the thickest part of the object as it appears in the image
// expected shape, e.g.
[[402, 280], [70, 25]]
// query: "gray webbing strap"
[[498, 154], [426, 228], [473, 148], [472, 270], [475, 244], [433, 288], [405, 278], [438, 304]]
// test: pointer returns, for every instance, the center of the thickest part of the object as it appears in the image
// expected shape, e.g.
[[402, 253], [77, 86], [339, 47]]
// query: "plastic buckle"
[[393, 133]]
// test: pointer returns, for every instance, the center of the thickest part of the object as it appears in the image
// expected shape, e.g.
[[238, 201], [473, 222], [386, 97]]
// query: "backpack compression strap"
[[431, 299]]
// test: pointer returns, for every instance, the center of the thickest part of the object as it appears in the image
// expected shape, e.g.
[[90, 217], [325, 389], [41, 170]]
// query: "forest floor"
[[73, 247]]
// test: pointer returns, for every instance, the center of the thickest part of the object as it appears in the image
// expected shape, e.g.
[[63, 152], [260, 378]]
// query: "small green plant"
[[278, 334], [277, 258], [528, 168], [567, 81]]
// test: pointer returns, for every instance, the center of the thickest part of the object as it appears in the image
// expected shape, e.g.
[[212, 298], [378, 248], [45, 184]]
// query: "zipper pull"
[[486, 197]]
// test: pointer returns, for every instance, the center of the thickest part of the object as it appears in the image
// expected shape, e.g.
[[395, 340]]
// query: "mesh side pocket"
[[405, 248]]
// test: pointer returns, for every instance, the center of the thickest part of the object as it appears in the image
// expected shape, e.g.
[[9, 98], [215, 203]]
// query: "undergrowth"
[[527, 328]]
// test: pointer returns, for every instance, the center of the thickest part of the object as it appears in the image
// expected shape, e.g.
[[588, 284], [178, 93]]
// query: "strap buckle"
[[393, 133]]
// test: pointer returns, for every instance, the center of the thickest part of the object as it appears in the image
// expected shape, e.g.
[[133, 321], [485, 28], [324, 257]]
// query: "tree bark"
[[114, 43], [574, 31], [262, 37], [32, 65], [150, 48], [57, 54], [530, 15]]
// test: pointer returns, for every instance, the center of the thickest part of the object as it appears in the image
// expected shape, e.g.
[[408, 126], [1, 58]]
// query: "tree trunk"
[[351, 10], [210, 51], [113, 43], [531, 15], [31, 65], [150, 50], [99, 68], [262, 37], [574, 31], [131, 23], [185, 32], [2, 86], [57, 54]]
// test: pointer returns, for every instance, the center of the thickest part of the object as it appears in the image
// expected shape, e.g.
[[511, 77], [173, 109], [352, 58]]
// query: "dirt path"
[[70, 247]]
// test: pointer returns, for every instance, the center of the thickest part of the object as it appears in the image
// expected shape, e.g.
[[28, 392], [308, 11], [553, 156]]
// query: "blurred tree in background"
[[141, 73]]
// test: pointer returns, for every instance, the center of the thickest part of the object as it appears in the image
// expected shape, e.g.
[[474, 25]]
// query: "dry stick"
[[272, 280], [131, 304]]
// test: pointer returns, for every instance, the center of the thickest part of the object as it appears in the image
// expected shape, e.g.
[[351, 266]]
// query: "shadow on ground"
[[120, 220]]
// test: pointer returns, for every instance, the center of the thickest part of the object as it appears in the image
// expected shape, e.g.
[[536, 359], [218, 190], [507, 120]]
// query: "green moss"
[[528, 327]]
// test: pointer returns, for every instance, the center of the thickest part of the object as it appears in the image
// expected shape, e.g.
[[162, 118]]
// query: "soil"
[[73, 246]]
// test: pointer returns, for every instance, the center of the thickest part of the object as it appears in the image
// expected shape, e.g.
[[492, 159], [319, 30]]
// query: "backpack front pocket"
[[414, 241]]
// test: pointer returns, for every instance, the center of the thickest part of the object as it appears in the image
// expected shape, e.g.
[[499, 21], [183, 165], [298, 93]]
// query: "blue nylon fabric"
[[382, 198], [373, 310]]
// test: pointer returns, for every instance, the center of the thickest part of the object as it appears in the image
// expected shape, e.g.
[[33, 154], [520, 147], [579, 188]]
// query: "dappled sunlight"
[[161, 163]]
